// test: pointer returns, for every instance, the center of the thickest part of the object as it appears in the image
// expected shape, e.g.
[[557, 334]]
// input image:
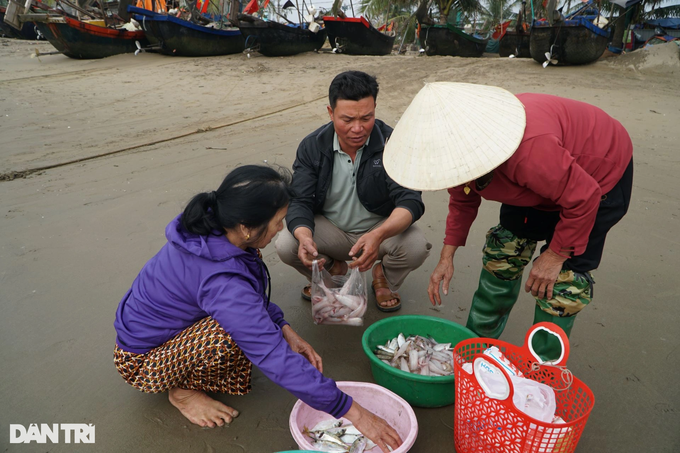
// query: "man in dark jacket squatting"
[[346, 207]]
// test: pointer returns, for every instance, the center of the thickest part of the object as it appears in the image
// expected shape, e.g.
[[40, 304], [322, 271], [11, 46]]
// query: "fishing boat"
[[444, 38], [574, 40], [88, 39], [173, 36], [449, 40], [273, 39], [515, 43], [27, 30], [356, 36]]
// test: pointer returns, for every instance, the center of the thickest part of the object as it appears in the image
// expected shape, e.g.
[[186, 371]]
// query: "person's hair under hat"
[[352, 86]]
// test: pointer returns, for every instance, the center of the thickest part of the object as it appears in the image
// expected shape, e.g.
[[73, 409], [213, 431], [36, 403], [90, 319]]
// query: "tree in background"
[[498, 11]]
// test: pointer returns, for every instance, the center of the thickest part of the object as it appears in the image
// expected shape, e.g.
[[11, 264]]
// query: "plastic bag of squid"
[[338, 299]]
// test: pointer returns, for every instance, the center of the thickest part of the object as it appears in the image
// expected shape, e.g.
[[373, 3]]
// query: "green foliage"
[[380, 12], [663, 13], [498, 11], [466, 7]]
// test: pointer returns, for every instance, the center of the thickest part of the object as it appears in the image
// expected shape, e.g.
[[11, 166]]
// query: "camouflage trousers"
[[506, 256]]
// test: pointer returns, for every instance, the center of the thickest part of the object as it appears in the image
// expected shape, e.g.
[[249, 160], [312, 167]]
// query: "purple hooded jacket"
[[193, 277]]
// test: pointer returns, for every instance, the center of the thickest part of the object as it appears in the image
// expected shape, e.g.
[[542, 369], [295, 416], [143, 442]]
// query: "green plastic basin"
[[417, 390]]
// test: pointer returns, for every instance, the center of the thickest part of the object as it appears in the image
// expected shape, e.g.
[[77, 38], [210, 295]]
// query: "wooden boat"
[[356, 36], [83, 40], [26, 32], [574, 41], [273, 39], [514, 43], [451, 41], [173, 36]]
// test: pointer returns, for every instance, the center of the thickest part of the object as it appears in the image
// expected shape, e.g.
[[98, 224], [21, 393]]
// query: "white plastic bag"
[[339, 300], [533, 398]]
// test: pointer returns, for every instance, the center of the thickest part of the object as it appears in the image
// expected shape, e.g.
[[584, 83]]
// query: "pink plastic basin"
[[382, 402]]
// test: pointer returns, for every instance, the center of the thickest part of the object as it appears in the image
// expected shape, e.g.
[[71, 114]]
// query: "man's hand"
[[307, 251], [442, 274], [365, 251], [373, 427], [297, 344], [543, 274], [366, 248]]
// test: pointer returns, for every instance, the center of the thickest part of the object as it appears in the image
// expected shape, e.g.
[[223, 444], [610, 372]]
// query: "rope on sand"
[[12, 175]]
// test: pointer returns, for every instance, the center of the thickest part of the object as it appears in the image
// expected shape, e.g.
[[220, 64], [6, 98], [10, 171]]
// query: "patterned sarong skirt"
[[202, 357]]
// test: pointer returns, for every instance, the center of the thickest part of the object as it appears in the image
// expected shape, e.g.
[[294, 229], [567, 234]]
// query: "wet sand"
[[155, 130]]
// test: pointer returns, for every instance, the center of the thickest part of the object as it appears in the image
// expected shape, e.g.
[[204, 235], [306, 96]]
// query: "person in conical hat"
[[562, 171], [346, 208]]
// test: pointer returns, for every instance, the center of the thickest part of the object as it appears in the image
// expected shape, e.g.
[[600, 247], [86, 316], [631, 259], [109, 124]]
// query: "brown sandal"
[[307, 290], [381, 282]]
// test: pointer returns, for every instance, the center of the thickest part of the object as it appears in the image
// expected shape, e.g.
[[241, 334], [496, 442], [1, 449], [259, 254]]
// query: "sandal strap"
[[386, 297], [379, 283]]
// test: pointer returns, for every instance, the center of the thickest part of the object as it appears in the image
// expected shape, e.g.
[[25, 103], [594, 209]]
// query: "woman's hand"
[[297, 344], [544, 274], [373, 427]]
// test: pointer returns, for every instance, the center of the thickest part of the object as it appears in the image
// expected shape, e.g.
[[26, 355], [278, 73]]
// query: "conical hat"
[[453, 133]]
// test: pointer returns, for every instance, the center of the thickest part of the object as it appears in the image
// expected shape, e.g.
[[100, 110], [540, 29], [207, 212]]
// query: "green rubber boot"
[[491, 304], [547, 346]]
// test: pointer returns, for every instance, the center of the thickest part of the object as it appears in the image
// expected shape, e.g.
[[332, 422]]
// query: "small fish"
[[417, 354], [359, 446], [387, 350], [329, 447], [351, 302], [335, 306], [333, 435], [350, 438], [351, 430], [327, 424], [325, 436]]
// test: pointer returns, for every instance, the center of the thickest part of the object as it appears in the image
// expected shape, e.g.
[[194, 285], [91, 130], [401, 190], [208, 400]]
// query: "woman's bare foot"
[[378, 273], [200, 409]]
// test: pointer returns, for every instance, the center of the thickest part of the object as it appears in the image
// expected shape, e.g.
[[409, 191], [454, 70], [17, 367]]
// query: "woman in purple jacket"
[[198, 315]]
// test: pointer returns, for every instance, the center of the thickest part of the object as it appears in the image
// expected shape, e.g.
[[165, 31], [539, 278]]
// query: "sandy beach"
[[97, 156]]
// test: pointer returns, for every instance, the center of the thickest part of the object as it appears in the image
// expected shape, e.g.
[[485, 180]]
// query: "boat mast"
[[101, 7], [234, 8], [387, 13], [352, 6], [297, 6]]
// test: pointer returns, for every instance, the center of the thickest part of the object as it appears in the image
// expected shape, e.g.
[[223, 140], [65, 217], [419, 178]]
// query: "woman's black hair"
[[352, 86], [249, 195]]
